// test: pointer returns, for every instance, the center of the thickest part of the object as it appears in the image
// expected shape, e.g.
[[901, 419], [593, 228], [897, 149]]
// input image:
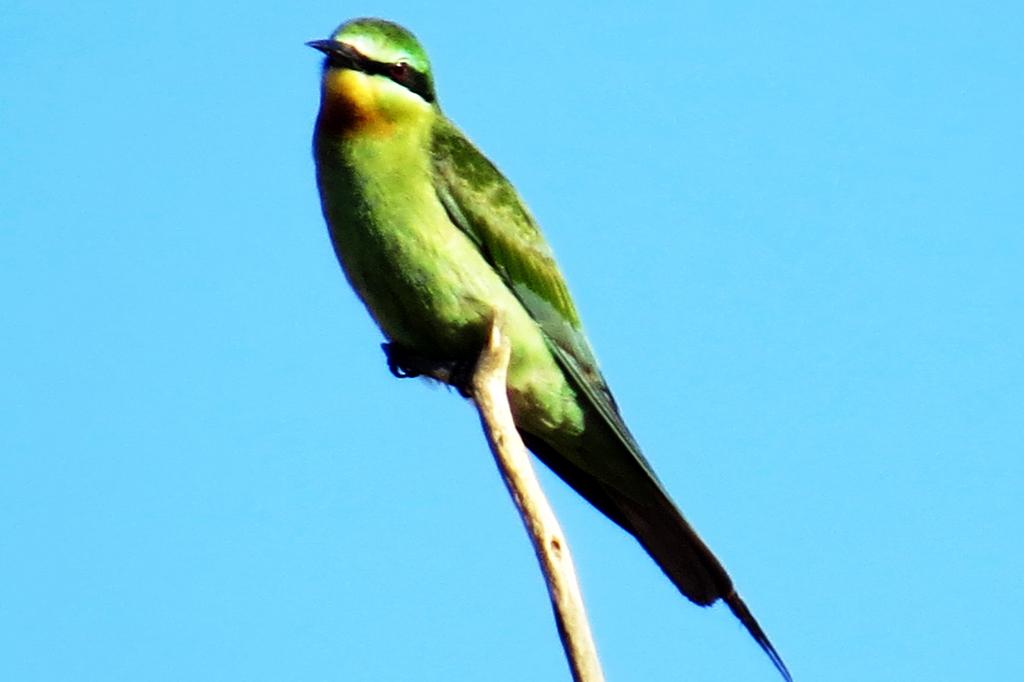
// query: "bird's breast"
[[424, 281]]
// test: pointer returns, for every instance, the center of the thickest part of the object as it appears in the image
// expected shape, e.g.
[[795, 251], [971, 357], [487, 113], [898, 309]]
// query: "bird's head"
[[376, 76]]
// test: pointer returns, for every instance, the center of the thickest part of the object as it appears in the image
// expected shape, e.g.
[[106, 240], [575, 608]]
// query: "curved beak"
[[338, 53]]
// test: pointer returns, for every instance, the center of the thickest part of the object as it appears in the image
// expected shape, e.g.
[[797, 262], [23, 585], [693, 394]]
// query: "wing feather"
[[484, 205]]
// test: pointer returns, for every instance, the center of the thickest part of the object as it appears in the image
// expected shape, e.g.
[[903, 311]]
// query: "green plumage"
[[434, 239]]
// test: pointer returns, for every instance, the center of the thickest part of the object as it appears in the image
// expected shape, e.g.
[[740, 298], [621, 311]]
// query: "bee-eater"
[[435, 240]]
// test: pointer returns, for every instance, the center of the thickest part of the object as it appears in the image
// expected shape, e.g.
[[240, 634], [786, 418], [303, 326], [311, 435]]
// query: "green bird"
[[434, 240]]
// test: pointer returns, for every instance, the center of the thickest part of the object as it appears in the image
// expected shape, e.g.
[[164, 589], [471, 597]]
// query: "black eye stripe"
[[402, 73], [406, 76], [413, 80]]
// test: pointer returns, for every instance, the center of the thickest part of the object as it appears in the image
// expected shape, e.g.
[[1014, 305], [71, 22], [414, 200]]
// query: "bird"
[[435, 241]]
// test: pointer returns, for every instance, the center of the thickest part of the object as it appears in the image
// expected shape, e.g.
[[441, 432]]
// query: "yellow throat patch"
[[350, 105]]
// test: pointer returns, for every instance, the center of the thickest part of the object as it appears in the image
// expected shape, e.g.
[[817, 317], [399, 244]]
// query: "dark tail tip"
[[741, 611]]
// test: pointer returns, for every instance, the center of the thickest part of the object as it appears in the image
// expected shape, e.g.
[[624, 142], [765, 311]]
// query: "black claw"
[[461, 377], [400, 361], [404, 364]]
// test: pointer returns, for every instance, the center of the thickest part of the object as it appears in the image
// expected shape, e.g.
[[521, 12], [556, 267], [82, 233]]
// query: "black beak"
[[338, 53]]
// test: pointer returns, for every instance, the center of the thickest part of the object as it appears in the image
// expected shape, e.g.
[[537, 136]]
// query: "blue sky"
[[794, 235]]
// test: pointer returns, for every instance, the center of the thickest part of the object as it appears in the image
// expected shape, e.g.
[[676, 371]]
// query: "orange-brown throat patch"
[[350, 106]]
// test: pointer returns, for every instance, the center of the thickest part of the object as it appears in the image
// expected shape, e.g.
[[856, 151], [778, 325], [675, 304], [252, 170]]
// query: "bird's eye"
[[399, 70]]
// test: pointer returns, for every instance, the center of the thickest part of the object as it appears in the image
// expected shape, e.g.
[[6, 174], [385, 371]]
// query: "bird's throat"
[[349, 105]]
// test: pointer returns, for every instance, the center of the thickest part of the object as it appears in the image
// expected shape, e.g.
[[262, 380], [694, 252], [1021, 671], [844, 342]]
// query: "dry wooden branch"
[[489, 393]]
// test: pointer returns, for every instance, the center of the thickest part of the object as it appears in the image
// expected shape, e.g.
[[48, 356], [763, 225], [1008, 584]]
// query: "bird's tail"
[[741, 611], [688, 562], [653, 519]]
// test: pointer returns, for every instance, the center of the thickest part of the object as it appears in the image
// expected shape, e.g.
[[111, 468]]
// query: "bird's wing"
[[484, 205]]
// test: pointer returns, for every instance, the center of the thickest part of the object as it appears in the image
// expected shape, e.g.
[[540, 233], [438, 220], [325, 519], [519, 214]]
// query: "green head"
[[376, 71]]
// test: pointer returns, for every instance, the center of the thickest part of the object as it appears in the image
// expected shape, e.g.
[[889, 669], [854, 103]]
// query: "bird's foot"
[[404, 363]]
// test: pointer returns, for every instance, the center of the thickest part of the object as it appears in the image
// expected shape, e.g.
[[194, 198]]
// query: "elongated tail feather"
[[669, 539], [741, 611]]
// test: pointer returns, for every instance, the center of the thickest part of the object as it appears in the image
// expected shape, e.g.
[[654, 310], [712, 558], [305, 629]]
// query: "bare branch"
[[489, 393]]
